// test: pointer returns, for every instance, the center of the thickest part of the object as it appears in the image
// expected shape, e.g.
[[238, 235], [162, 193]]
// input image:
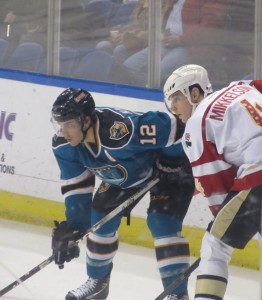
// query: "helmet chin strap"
[[84, 135], [85, 131]]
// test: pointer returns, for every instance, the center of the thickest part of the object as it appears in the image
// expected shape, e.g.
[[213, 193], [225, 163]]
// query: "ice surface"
[[135, 275]]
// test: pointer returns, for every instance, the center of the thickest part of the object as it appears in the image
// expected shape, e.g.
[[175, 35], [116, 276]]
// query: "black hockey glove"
[[167, 170], [64, 243]]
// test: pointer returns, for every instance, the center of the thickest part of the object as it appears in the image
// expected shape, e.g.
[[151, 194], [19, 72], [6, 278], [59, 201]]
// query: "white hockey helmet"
[[184, 77]]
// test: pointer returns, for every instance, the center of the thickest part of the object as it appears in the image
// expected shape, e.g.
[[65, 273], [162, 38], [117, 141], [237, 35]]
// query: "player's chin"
[[72, 143]]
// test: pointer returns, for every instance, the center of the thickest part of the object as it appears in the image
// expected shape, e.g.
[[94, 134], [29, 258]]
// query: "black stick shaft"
[[27, 275], [179, 280], [95, 227]]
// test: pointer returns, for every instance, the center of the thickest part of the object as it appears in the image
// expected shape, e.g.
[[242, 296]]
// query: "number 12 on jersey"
[[148, 132]]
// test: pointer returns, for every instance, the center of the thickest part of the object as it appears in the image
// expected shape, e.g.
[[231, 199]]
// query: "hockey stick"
[[179, 280], [96, 226]]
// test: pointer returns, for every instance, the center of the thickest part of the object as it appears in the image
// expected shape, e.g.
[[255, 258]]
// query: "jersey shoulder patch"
[[115, 129]]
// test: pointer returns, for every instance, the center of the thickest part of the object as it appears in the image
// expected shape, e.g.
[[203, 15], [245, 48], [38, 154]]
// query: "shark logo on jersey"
[[118, 131], [115, 175]]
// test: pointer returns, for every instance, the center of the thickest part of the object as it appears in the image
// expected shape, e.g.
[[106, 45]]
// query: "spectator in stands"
[[36, 33], [3, 12], [97, 16], [239, 40], [74, 23], [204, 37], [17, 14], [129, 38], [215, 33], [171, 28]]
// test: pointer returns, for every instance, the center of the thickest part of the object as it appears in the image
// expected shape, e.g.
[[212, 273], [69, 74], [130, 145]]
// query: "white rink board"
[[27, 164]]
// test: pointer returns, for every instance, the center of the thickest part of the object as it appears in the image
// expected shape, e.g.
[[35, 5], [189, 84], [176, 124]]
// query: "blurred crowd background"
[[132, 42]]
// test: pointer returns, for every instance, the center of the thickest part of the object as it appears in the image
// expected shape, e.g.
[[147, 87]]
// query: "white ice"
[[134, 276]]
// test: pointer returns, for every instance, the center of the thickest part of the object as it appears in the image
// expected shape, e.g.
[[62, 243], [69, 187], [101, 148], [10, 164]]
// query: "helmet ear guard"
[[185, 77]]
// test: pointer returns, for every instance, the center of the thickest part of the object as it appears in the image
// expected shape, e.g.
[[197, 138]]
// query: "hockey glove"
[[167, 170], [65, 243]]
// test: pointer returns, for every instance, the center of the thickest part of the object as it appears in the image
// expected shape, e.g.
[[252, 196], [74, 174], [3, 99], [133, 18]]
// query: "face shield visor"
[[67, 128]]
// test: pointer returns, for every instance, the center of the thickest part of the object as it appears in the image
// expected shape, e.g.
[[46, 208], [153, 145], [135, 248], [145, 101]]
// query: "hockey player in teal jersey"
[[124, 150]]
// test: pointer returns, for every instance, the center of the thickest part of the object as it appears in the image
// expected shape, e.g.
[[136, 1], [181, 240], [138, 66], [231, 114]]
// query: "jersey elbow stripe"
[[79, 187], [219, 183], [247, 181], [77, 179], [210, 168], [88, 190]]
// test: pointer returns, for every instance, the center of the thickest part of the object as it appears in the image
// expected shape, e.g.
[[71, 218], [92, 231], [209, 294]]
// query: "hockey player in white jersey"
[[222, 139]]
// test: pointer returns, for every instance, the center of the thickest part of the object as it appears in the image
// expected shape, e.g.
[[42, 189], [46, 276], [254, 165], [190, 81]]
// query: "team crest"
[[118, 131]]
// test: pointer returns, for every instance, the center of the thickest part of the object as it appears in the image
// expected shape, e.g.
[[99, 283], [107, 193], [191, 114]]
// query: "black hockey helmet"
[[73, 103]]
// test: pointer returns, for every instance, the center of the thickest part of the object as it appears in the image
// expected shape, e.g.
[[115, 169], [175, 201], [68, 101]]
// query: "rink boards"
[[29, 185]]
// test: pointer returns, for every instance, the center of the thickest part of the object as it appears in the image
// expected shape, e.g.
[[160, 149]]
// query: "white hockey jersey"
[[223, 141]]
